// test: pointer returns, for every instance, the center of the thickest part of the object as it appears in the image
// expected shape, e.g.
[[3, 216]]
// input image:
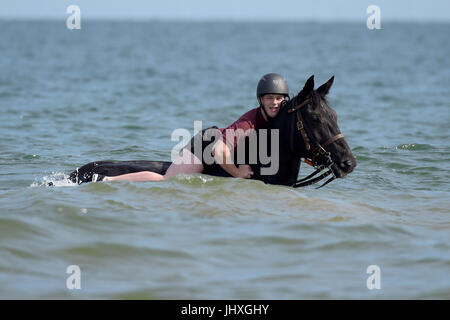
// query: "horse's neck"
[[289, 160]]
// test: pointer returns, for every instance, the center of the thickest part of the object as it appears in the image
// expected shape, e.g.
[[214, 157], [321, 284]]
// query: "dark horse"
[[307, 129]]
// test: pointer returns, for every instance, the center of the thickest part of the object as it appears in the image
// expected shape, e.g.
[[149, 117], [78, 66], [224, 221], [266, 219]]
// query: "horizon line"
[[216, 19]]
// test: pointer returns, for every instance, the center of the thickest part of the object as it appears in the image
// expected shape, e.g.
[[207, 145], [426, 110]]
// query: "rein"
[[321, 159]]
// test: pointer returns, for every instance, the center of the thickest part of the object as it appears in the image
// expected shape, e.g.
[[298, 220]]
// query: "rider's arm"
[[222, 156]]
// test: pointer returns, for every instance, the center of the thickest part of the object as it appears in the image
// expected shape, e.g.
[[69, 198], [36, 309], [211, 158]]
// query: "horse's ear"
[[325, 88], [307, 89], [309, 85]]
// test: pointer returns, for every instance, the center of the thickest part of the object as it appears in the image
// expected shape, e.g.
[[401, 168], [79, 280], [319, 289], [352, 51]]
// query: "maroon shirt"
[[252, 119]]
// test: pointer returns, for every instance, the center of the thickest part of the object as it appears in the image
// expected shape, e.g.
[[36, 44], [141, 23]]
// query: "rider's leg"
[[137, 176], [185, 163]]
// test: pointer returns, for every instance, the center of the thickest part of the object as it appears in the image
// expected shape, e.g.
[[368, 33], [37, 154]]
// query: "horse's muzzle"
[[344, 167]]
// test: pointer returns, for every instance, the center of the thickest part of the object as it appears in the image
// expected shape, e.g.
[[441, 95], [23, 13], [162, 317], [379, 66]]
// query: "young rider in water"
[[272, 90]]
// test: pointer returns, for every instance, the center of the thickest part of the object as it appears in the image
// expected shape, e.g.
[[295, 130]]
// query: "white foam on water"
[[194, 178], [56, 179]]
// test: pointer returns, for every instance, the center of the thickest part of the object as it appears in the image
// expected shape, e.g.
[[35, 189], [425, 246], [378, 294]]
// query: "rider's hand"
[[245, 171]]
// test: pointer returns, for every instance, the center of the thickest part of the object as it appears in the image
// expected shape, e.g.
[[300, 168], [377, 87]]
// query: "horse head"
[[318, 137]]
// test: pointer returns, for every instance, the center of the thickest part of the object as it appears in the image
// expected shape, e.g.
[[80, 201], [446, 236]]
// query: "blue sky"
[[296, 10]]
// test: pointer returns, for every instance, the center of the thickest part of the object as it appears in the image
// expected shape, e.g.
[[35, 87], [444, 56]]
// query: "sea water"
[[117, 90]]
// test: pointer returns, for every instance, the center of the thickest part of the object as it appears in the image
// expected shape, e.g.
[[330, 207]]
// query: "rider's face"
[[272, 103]]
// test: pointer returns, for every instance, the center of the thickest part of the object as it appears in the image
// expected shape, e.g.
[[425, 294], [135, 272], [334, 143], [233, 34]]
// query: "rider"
[[272, 90]]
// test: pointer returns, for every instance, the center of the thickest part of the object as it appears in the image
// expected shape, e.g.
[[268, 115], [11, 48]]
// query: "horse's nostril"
[[346, 164]]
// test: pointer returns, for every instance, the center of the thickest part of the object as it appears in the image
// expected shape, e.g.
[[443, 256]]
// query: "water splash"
[[56, 179]]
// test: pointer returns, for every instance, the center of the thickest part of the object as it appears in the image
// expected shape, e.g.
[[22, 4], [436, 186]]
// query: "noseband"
[[320, 159]]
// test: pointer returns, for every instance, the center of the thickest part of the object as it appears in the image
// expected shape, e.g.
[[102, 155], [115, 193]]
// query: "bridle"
[[320, 158]]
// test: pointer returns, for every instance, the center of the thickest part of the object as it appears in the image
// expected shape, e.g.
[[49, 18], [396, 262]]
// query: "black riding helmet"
[[271, 83]]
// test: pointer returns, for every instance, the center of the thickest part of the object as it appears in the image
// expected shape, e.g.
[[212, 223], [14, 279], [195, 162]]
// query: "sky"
[[277, 10]]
